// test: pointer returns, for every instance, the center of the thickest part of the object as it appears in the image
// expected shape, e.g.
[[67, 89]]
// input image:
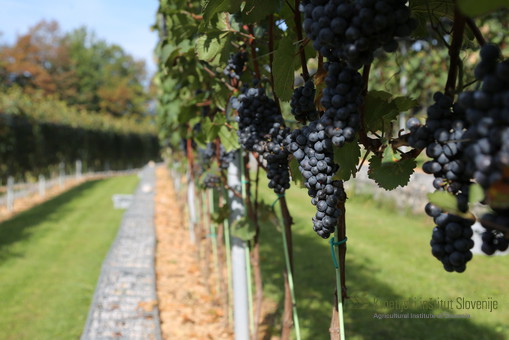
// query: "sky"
[[122, 22]]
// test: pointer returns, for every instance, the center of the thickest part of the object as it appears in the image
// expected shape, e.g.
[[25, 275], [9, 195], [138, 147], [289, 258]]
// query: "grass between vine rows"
[[50, 259], [388, 262]]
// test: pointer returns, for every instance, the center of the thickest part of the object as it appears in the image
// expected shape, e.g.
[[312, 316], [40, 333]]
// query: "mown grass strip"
[[389, 269], [50, 259]]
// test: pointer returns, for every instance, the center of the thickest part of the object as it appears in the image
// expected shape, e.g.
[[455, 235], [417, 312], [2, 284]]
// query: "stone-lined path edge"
[[124, 305]]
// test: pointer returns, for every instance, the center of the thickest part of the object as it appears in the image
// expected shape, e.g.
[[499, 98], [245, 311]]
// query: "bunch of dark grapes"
[[442, 136], [235, 65], [487, 111], [420, 136], [211, 181], [447, 124], [353, 30], [492, 239], [451, 240], [303, 103], [487, 139], [258, 114], [341, 100], [313, 150], [261, 129], [273, 150], [225, 158], [208, 153]]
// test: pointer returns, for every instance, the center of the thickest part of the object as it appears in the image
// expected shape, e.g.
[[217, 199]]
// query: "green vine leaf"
[[210, 129], [347, 157], [390, 175], [228, 138], [257, 10], [212, 7], [283, 68], [380, 109], [425, 10], [405, 103], [475, 193], [243, 228], [209, 48], [377, 106], [221, 214], [474, 8], [295, 173], [448, 203]]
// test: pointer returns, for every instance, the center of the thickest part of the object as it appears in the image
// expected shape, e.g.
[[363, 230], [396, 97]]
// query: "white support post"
[[61, 174], [79, 169], [42, 186], [239, 251], [10, 193]]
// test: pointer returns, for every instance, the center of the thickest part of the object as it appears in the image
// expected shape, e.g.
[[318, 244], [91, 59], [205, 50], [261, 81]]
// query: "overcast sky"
[[123, 22]]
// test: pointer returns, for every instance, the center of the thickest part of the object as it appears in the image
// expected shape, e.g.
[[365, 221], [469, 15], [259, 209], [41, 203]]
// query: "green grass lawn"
[[388, 262], [50, 259]]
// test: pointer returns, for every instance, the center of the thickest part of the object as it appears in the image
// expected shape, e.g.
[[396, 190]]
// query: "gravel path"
[[125, 303]]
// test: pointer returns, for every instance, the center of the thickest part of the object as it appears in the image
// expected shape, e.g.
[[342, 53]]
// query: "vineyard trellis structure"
[[311, 91]]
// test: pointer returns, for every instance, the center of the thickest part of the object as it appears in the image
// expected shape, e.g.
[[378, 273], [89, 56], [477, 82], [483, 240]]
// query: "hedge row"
[[29, 147]]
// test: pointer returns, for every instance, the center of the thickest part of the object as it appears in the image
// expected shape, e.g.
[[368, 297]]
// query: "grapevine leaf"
[[208, 48], [186, 114], [166, 52], [448, 203], [390, 175], [389, 155], [283, 68], [220, 215], [405, 103], [475, 193], [244, 228], [444, 200], [228, 138], [377, 105], [475, 7], [296, 175], [257, 10], [425, 10], [381, 109], [210, 129], [211, 7], [347, 157]]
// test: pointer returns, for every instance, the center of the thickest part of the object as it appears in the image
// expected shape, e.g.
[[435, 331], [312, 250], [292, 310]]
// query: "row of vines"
[[38, 132], [311, 91]]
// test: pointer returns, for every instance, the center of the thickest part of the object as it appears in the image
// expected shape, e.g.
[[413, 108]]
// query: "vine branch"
[[300, 37], [454, 52], [362, 131], [475, 30], [253, 52], [271, 57]]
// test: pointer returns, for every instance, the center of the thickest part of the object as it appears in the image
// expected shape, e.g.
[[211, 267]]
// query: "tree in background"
[[39, 60], [109, 79], [77, 67]]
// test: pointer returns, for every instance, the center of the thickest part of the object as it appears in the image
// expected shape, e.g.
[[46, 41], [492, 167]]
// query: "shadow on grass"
[[314, 281], [20, 226]]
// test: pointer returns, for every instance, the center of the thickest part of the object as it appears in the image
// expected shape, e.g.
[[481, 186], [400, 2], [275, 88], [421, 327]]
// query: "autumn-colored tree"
[[76, 67], [39, 60], [109, 79]]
